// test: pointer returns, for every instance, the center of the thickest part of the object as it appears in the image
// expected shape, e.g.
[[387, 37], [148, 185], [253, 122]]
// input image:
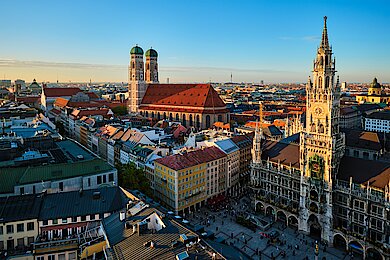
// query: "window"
[[111, 177], [34, 191], [61, 257], [20, 227], [20, 242], [83, 218], [22, 190], [104, 179], [99, 180], [61, 186], [55, 221], [30, 240], [89, 182], [51, 257], [1, 230], [74, 219], [10, 229], [30, 226], [376, 210], [64, 220], [1, 245], [40, 258], [358, 205], [92, 217]]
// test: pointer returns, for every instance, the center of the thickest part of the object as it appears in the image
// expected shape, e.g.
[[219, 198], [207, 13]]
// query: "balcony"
[[44, 247]]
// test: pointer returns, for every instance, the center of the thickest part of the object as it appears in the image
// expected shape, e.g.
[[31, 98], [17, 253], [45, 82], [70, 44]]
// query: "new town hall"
[[306, 181]]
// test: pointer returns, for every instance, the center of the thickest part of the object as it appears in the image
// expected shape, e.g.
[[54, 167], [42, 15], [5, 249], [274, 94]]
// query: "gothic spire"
[[324, 41]]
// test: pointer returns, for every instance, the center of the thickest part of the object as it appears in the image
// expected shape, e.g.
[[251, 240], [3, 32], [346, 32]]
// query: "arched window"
[[320, 81], [321, 129], [152, 114], [184, 120], [177, 117], [208, 124], [170, 117], [326, 60], [327, 82], [165, 115], [158, 116], [313, 127], [197, 121], [191, 121], [146, 114]]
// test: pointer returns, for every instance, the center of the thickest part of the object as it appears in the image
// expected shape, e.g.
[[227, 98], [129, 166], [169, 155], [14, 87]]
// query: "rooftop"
[[87, 202], [11, 177], [182, 161], [16, 208]]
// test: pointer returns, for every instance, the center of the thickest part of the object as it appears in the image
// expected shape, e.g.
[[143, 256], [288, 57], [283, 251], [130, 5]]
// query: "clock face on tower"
[[318, 111]]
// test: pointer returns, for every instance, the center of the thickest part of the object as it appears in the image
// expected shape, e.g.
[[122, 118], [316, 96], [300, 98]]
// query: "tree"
[[130, 177], [120, 110]]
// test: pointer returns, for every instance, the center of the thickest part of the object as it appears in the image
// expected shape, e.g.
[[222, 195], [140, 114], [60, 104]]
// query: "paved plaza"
[[252, 245]]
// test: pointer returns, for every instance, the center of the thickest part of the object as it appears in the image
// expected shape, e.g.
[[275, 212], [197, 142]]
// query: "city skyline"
[[253, 41]]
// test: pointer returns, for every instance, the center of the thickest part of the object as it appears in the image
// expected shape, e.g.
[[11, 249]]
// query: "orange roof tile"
[[198, 96], [60, 92]]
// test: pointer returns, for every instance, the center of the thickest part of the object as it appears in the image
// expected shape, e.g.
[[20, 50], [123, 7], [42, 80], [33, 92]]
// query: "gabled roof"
[[286, 154], [197, 96], [182, 161], [362, 139], [362, 171], [60, 92]]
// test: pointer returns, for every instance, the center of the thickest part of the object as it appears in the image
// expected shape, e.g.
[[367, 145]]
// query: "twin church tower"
[[140, 76]]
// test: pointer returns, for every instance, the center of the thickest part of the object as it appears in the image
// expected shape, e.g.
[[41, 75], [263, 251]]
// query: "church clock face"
[[318, 111]]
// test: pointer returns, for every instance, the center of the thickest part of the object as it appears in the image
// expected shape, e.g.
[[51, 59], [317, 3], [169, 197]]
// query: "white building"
[[378, 122]]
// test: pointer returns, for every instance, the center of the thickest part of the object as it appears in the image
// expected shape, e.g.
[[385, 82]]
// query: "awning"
[[60, 227]]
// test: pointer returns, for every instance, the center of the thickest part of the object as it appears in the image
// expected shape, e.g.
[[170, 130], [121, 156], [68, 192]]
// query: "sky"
[[197, 41]]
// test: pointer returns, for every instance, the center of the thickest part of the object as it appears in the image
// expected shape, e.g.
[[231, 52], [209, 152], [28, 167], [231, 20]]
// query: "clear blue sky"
[[197, 41]]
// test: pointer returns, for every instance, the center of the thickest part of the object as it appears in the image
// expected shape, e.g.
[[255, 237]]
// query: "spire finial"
[[324, 41]]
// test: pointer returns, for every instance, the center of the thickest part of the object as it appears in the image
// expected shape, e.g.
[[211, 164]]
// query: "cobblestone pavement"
[[253, 244]]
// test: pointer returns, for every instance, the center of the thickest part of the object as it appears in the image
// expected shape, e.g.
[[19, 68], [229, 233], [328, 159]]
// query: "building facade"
[[306, 181]]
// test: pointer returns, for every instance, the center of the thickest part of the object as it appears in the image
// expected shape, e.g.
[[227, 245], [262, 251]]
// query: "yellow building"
[[375, 94], [181, 179]]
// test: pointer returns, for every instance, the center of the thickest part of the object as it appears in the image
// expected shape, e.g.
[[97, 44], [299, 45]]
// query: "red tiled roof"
[[198, 96], [28, 99], [182, 161], [60, 92], [90, 112], [61, 102], [92, 95], [286, 154]]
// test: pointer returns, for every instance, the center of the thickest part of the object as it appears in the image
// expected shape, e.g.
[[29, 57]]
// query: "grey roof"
[[126, 245], [16, 208], [227, 145], [381, 115], [75, 203]]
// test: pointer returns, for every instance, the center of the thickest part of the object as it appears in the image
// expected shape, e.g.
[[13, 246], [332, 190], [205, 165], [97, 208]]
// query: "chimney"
[[122, 215]]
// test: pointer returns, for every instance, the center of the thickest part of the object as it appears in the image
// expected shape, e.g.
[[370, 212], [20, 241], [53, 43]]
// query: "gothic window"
[[320, 81], [208, 121], [326, 61], [197, 121], [327, 82], [321, 129], [313, 127]]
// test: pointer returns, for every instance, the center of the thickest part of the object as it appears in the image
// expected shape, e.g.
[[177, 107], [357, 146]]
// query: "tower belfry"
[[321, 143]]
